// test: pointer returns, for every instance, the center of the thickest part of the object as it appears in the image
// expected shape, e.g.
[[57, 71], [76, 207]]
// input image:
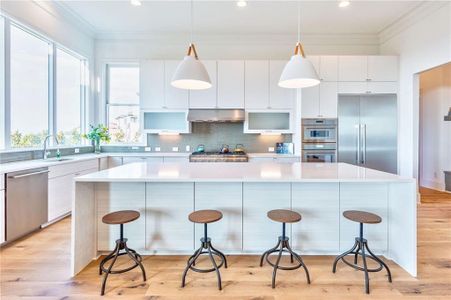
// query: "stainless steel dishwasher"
[[26, 202]]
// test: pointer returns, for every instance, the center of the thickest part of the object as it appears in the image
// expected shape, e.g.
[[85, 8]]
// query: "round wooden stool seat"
[[362, 217], [120, 217], [205, 216], [284, 216]]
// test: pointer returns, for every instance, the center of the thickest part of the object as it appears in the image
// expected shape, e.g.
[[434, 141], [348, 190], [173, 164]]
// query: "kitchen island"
[[166, 193]]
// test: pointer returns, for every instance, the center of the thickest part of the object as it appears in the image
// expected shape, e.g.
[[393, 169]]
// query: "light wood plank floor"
[[37, 267]]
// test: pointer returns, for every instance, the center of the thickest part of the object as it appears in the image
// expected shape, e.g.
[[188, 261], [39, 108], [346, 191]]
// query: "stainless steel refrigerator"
[[367, 131]]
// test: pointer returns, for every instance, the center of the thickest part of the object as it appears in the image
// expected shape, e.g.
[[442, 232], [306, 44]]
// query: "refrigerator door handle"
[[357, 152], [364, 144]]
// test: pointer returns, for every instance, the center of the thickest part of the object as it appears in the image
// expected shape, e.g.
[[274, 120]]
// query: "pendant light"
[[299, 71], [191, 73]]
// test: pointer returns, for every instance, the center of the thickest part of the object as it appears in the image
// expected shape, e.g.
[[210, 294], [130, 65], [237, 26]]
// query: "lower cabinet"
[[225, 197], [318, 203], [112, 197], [370, 197], [259, 232], [114, 161], [61, 188], [167, 208]]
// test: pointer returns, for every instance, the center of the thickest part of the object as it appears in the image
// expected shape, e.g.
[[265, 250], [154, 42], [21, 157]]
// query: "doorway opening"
[[435, 129]]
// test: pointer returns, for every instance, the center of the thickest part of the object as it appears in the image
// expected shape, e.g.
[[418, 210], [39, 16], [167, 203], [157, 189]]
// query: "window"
[[69, 97], [43, 89], [29, 123], [123, 103]]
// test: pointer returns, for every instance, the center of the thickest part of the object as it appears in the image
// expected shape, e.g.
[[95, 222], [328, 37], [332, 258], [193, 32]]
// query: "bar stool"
[[205, 217], [361, 246], [114, 218], [283, 216]]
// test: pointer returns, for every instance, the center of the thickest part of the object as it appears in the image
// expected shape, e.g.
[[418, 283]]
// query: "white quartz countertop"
[[40, 163], [240, 172]]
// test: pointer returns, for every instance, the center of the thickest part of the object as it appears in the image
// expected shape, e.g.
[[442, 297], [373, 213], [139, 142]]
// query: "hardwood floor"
[[37, 267]]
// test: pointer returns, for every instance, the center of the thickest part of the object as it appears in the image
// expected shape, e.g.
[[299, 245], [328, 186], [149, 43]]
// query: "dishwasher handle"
[[28, 174]]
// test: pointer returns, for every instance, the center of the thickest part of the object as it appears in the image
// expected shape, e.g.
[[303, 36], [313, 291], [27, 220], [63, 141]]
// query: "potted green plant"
[[96, 134]]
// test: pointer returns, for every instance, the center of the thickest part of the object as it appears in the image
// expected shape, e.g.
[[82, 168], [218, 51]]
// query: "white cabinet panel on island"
[[259, 232], [225, 197], [318, 203], [113, 197], [2, 216], [370, 197], [206, 98], [167, 208], [231, 84]]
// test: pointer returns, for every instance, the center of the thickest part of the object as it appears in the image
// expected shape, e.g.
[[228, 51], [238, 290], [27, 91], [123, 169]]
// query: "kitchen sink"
[[58, 159]]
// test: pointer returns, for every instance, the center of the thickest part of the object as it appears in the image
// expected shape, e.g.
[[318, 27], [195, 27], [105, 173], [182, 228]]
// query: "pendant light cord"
[[191, 21], [299, 21]]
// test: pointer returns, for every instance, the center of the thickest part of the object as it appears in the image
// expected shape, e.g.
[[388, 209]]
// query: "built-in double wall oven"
[[319, 140]]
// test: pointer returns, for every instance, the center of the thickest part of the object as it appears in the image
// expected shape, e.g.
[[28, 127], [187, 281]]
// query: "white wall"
[[435, 133], [422, 45], [46, 18]]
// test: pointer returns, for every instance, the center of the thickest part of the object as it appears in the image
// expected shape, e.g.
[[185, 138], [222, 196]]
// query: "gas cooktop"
[[218, 157]]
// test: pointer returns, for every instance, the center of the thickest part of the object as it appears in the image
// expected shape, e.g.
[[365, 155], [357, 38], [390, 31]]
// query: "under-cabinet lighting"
[[241, 3], [270, 133], [168, 133], [135, 2]]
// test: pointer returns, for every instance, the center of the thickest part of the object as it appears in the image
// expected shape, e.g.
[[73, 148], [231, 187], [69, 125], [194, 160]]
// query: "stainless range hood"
[[216, 115]]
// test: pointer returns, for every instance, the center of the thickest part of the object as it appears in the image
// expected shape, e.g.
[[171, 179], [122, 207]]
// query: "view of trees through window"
[[123, 103], [29, 89]]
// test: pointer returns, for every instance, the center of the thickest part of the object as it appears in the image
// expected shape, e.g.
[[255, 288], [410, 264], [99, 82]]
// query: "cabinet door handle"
[[28, 174]]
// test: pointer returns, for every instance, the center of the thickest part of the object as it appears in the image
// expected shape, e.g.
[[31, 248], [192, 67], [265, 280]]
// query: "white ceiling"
[[224, 17]]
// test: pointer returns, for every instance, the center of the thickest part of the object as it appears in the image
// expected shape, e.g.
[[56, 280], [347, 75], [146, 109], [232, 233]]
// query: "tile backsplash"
[[213, 136]]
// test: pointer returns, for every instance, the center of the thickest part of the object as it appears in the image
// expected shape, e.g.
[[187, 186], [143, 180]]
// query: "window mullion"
[[7, 80], [52, 92]]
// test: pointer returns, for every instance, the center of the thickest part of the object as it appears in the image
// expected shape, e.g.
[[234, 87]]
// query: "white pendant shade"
[[298, 73], [191, 74]]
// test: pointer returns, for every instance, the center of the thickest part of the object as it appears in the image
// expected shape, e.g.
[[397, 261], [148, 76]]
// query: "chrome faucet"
[[47, 153]]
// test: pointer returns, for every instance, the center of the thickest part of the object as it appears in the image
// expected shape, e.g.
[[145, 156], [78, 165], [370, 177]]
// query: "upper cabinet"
[[326, 67], [206, 98], [367, 68], [174, 97], [151, 84], [320, 101], [231, 84], [279, 98], [256, 89]]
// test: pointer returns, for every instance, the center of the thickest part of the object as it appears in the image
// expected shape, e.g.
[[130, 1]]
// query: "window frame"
[[106, 65], [52, 85]]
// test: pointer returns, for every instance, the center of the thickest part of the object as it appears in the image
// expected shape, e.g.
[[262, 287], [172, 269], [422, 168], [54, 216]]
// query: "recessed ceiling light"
[[344, 3], [135, 2], [241, 3]]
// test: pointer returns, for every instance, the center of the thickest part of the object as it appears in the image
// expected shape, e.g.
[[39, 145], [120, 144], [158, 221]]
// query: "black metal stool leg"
[[220, 254], [334, 268], [356, 255], [132, 256], [268, 252], [365, 270], [379, 261], [216, 268], [108, 257], [190, 264], [276, 266], [116, 255], [300, 260]]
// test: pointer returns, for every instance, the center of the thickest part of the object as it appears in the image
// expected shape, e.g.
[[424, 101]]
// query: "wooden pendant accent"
[[299, 50], [192, 50]]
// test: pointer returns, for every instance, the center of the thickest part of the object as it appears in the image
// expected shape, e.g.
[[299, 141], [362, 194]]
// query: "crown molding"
[[60, 10], [243, 39], [418, 13]]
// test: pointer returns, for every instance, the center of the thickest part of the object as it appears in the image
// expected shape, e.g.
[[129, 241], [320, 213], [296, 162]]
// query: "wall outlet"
[[188, 148], [147, 149], [157, 149], [175, 149], [270, 149], [76, 150]]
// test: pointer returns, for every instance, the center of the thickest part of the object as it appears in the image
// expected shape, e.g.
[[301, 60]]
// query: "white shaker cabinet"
[[320, 101], [206, 98], [371, 87], [328, 68], [151, 84], [382, 68], [352, 68], [230, 84], [279, 98], [174, 97], [2, 209], [256, 89]]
